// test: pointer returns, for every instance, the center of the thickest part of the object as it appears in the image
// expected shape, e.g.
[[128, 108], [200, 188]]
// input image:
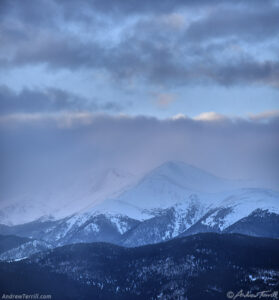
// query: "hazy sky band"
[[38, 149]]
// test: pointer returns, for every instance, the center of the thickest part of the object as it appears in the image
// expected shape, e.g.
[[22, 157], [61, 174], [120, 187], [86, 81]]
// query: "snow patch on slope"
[[25, 250], [242, 203]]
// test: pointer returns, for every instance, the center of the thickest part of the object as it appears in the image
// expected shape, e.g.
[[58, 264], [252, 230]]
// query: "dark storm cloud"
[[153, 46], [249, 71], [248, 24], [48, 100], [146, 7]]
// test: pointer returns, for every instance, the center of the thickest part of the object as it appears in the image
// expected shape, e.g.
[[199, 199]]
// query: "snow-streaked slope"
[[242, 203], [166, 223], [171, 200], [93, 227], [77, 228], [112, 191], [170, 185], [167, 203], [25, 250], [165, 186], [118, 207]]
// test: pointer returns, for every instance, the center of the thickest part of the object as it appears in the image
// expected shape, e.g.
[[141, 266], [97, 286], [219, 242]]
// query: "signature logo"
[[248, 294]]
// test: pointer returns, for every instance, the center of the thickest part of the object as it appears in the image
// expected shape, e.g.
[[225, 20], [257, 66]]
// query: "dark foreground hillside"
[[203, 266]]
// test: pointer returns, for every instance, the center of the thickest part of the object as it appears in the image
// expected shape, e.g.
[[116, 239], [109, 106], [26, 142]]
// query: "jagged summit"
[[174, 198]]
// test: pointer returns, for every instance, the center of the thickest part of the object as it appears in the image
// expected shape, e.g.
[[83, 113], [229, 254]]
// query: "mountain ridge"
[[161, 207], [202, 266]]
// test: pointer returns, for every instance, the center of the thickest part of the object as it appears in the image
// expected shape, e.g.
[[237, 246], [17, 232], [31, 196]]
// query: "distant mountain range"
[[177, 233], [173, 200], [204, 266]]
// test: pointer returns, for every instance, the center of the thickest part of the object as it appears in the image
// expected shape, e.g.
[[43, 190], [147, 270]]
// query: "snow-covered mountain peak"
[[173, 199], [165, 186], [188, 177]]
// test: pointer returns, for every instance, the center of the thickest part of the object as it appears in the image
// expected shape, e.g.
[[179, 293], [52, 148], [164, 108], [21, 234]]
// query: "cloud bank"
[[50, 147]]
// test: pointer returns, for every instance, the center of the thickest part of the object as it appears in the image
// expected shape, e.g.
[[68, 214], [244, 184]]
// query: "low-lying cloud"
[[35, 150]]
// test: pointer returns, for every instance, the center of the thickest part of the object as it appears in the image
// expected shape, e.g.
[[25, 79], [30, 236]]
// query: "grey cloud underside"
[[249, 24], [49, 100], [70, 7], [153, 45]]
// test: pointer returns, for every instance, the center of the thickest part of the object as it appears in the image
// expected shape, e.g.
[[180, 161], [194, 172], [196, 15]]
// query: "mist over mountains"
[[79, 191], [42, 160], [173, 200]]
